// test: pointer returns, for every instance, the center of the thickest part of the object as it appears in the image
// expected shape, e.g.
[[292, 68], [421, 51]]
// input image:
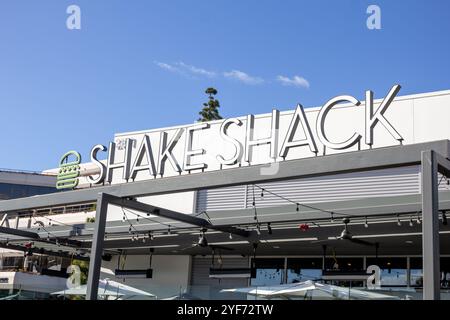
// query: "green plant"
[[210, 109]]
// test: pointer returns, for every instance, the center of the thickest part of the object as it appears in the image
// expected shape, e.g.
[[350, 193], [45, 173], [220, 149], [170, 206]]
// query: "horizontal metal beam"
[[381, 158], [375, 206], [172, 215], [63, 254], [443, 164], [19, 233]]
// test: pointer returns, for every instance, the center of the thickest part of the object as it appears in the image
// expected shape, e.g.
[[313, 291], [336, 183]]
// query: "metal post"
[[97, 247], [430, 227]]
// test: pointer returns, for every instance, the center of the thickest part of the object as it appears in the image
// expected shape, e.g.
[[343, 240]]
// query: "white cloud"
[[196, 70], [167, 66], [243, 77], [295, 81], [185, 69]]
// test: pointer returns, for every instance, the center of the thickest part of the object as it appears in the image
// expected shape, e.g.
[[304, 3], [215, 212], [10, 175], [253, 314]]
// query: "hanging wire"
[[131, 225], [42, 215], [255, 217], [302, 204], [206, 214], [41, 226], [78, 229], [146, 218]]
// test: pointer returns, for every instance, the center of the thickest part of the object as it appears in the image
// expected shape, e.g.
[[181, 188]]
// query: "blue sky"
[[138, 65]]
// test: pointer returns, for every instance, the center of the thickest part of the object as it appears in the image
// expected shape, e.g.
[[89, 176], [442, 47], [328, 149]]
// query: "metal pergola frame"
[[431, 156], [432, 163]]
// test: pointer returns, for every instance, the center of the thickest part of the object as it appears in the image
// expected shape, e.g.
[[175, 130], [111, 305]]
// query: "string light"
[[269, 228], [301, 204], [169, 231], [366, 224], [444, 218], [258, 229], [418, 219], [399, 223], [411, 222], [230, 236], [155, 211]]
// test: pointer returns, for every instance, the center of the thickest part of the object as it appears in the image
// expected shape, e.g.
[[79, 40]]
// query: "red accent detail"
[[304, 227]]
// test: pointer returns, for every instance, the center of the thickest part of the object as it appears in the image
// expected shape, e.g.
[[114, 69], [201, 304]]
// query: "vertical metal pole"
[[97, 247], [430, 227]]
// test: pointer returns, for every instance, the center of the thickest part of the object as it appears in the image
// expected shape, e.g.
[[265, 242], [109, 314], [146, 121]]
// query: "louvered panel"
[[221, 199], [204, 287], [377, 183], [389, 182]]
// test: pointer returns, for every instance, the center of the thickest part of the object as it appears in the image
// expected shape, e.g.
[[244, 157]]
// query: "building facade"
[[298, 223]]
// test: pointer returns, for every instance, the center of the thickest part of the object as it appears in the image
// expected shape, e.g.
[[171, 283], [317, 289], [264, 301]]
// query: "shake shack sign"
[[341, 124]]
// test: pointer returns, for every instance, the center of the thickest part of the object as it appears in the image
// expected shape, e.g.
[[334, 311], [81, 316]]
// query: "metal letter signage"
[[237, 145], [144, 150], [69, 172], [229, 142], [165, 151], [298, 117], [101, 166], [320, 125], [373, 118], [272, 139], [125, 164], [188, 152]]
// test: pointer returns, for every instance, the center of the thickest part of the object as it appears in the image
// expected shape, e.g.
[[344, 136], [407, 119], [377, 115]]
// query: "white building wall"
[[170, 273], [418, 118]]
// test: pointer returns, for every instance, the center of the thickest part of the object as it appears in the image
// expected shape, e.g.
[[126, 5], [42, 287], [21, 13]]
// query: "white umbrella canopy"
[[107, 288], [302, 288], [297, 289]]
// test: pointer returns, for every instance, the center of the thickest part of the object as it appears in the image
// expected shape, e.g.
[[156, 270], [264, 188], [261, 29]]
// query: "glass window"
[[344, 264], [302, 269], [268, 271], [393, 270], [345, 269], [416, 273], [12, 191]]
